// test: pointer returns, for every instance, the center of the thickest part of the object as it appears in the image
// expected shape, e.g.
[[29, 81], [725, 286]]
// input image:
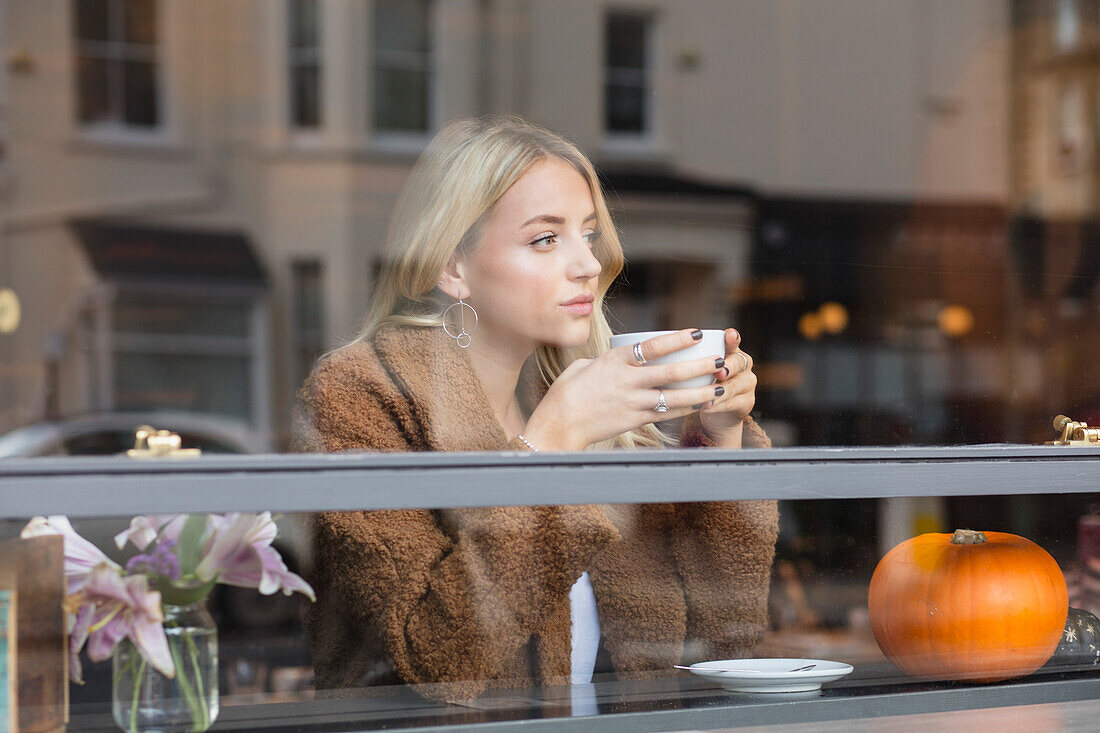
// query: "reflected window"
[[308, 324], [171, 353], [627, 59], [1067, 25], [1071, 138], [304, 62], [181, 323], [402, 77], [3, 82], [117, 72]]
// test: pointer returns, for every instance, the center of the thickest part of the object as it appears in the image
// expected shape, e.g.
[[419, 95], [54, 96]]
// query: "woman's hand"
[[597, 399], [723, 416]]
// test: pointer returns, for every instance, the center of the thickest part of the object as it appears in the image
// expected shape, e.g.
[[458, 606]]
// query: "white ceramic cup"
[[713, 343]]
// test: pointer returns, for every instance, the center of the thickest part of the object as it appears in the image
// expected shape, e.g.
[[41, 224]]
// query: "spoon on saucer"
[[740, 671]]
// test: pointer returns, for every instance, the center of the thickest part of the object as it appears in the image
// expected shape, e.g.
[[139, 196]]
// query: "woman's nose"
[[584, 266]]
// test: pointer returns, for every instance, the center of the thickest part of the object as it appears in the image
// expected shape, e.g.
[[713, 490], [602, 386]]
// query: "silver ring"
[[744, 362], [662, 406], [638, 354]]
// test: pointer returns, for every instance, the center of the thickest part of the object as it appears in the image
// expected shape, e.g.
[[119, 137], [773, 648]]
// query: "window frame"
[[399, 141], [115, 486], [646, 143], [102, 343], [116, 131], [296, 56]]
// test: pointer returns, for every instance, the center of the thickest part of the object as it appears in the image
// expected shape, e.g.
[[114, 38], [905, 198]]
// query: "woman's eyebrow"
[[551, 219]]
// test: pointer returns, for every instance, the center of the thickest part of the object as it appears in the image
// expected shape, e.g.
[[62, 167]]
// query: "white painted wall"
[[833, 98]]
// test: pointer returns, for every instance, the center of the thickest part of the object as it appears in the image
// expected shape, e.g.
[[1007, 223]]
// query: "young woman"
[[505, 220]]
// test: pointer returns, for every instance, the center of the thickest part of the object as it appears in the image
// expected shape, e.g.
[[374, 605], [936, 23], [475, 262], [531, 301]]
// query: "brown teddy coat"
[[479, 597]]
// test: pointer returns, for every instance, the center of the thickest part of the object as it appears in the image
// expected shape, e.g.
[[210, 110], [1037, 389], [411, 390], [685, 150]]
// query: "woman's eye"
[[545, 240], [592, 237]]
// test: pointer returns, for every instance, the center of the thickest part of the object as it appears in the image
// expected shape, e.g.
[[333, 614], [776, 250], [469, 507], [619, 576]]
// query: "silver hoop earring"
[[461, 337]]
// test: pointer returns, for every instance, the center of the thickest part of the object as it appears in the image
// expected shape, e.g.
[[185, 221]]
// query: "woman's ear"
[[452, 281]]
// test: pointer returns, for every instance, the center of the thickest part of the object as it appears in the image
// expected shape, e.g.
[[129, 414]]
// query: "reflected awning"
[[150, 253]]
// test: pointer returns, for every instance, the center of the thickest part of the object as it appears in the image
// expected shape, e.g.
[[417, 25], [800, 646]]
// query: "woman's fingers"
[[738, 362], [677, 398], [658, 374], [660, 345], [740, 389]]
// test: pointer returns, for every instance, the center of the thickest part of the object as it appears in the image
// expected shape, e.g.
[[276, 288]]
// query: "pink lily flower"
[[239, 552], [145, 528], [118, 607], [81, 556]]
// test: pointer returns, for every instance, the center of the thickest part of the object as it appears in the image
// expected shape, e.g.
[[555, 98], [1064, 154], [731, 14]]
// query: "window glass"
[[309, 322], [401, 26], [117, 71], [1068, 24], [93, 21], [151, 315], [627, 52], [195, 382], [402, 66], [140, 20], [415, 243], [899, 223], [304, 55], [304, 19]]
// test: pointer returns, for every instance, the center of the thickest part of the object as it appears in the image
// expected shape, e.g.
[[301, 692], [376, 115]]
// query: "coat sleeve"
[[457, 594], [724, 551]]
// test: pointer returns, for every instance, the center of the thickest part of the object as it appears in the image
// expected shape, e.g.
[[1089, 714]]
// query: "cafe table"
[[879, 696]]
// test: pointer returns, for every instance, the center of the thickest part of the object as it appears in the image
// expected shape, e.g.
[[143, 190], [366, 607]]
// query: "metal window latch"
[[152, 443], [1075, 433]]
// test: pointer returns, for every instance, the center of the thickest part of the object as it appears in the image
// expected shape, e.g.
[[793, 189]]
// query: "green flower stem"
[[137, 688], [194, 653], [198, 707]]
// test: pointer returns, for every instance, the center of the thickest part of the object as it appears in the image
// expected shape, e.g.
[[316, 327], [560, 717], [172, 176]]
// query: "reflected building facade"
[[758, 170]]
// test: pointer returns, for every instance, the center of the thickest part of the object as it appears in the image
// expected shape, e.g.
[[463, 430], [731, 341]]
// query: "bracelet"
[[527, 443]]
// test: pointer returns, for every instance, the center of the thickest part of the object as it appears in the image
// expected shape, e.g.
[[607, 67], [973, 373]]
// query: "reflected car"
[[113, 433]]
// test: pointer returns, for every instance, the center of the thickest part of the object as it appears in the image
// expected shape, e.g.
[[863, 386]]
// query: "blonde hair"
[[453, 186]]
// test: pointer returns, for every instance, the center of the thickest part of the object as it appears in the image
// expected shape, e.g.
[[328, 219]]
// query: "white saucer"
[[770, 675]]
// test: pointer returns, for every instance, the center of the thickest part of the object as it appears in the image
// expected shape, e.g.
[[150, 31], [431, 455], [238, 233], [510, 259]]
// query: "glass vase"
[[143, 699]]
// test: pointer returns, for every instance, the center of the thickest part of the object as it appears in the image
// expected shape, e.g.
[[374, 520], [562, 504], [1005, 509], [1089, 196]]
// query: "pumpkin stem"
[[968, 537]]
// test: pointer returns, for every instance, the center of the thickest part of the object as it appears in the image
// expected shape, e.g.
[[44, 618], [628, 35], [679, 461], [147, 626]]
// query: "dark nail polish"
[[725, 373], [719, 363], [737, 335], [697, 334], [697, 407], [719, 391]]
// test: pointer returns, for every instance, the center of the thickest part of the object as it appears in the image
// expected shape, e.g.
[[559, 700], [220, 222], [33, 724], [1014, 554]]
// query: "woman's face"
[[532, 275]]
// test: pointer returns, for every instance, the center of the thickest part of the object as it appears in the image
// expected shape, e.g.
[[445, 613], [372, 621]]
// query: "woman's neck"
[[498, 371]]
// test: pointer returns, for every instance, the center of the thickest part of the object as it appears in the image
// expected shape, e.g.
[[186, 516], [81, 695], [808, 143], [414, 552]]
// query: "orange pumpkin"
[[969, 606]]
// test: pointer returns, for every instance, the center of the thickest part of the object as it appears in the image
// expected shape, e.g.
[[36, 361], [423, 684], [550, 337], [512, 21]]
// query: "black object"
[[1080, 642]]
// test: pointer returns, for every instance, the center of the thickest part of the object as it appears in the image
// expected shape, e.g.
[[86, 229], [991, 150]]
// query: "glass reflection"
[[901, 225]]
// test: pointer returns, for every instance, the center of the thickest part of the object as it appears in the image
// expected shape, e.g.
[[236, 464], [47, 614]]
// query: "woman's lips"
[[583, 308], [580, 305]]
